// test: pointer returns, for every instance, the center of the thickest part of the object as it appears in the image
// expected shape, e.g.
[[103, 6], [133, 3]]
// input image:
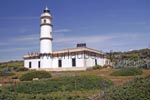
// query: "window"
[[95, 62], [39, 64], [59, 63], [73, 62], [30, 64], [44, 20]]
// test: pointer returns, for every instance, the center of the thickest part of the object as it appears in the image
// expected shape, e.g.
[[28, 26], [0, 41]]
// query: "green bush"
[[35, 74], [13, 68], [63, 84], [59, 96], [7, 95], [138, 89], [8, 69], [97, 67], [12, 63], [64, 88], [21, 69], [127, 72], [6, 73]]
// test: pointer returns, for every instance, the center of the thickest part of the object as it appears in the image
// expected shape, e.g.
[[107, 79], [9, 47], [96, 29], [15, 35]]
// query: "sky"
[[116, 25]]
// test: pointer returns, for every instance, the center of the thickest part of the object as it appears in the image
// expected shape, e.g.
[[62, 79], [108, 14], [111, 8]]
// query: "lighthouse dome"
[[46, 13]]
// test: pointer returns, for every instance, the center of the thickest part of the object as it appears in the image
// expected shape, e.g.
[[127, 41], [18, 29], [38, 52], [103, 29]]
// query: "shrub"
[[127, 72], [138, 89], [21, 69], [63, 84], [6, 95], [35, 74], [6, 73], [8, 69], [12, 68], [53, 96], [12, 63], [15, 77], [97, 67]]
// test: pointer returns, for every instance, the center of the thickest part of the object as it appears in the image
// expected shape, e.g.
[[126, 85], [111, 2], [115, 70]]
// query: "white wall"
[[46, 62], [34, 63], [67, 61], [47, 20], [45, 31], [101, 61], [46, 46], [90, 60]]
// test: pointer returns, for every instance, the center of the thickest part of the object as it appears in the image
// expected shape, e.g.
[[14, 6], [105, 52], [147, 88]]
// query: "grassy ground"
[[118, 80], [87, 93], [12, 63], [92, 93]]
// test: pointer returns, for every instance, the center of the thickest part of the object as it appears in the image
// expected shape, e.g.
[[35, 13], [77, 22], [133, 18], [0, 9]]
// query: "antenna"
[[45, 2]]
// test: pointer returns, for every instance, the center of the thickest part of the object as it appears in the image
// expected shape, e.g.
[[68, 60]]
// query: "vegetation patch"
[[134, 58], [97, 67], [66, 88], [29, 76], [62, 84], [75, 95], [127, 72], [12, 68], [21, 69], [5, 73], [12, 63], [138, 89]]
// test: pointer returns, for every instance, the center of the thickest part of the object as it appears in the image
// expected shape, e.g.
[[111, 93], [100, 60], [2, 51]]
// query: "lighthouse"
[[46, 39], [68, 59]]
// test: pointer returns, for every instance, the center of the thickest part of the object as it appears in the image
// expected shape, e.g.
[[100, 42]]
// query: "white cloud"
[[62, 30], [19, 18], [12, 49], [28, 39], [3, 44], [87, 39], [16, 49], [96, 38], [107, 41], [115, 41], [18, 46]]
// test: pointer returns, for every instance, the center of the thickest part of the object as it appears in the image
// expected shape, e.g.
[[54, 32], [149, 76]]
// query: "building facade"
[[79, 58]]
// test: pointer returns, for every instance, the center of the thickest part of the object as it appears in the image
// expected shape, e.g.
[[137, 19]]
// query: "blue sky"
[[118, 25]]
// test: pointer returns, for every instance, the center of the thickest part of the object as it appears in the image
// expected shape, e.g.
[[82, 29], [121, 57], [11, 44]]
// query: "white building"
[[79, 58]]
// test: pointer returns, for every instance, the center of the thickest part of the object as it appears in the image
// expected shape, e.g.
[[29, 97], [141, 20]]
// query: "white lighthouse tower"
[[46, 39]]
